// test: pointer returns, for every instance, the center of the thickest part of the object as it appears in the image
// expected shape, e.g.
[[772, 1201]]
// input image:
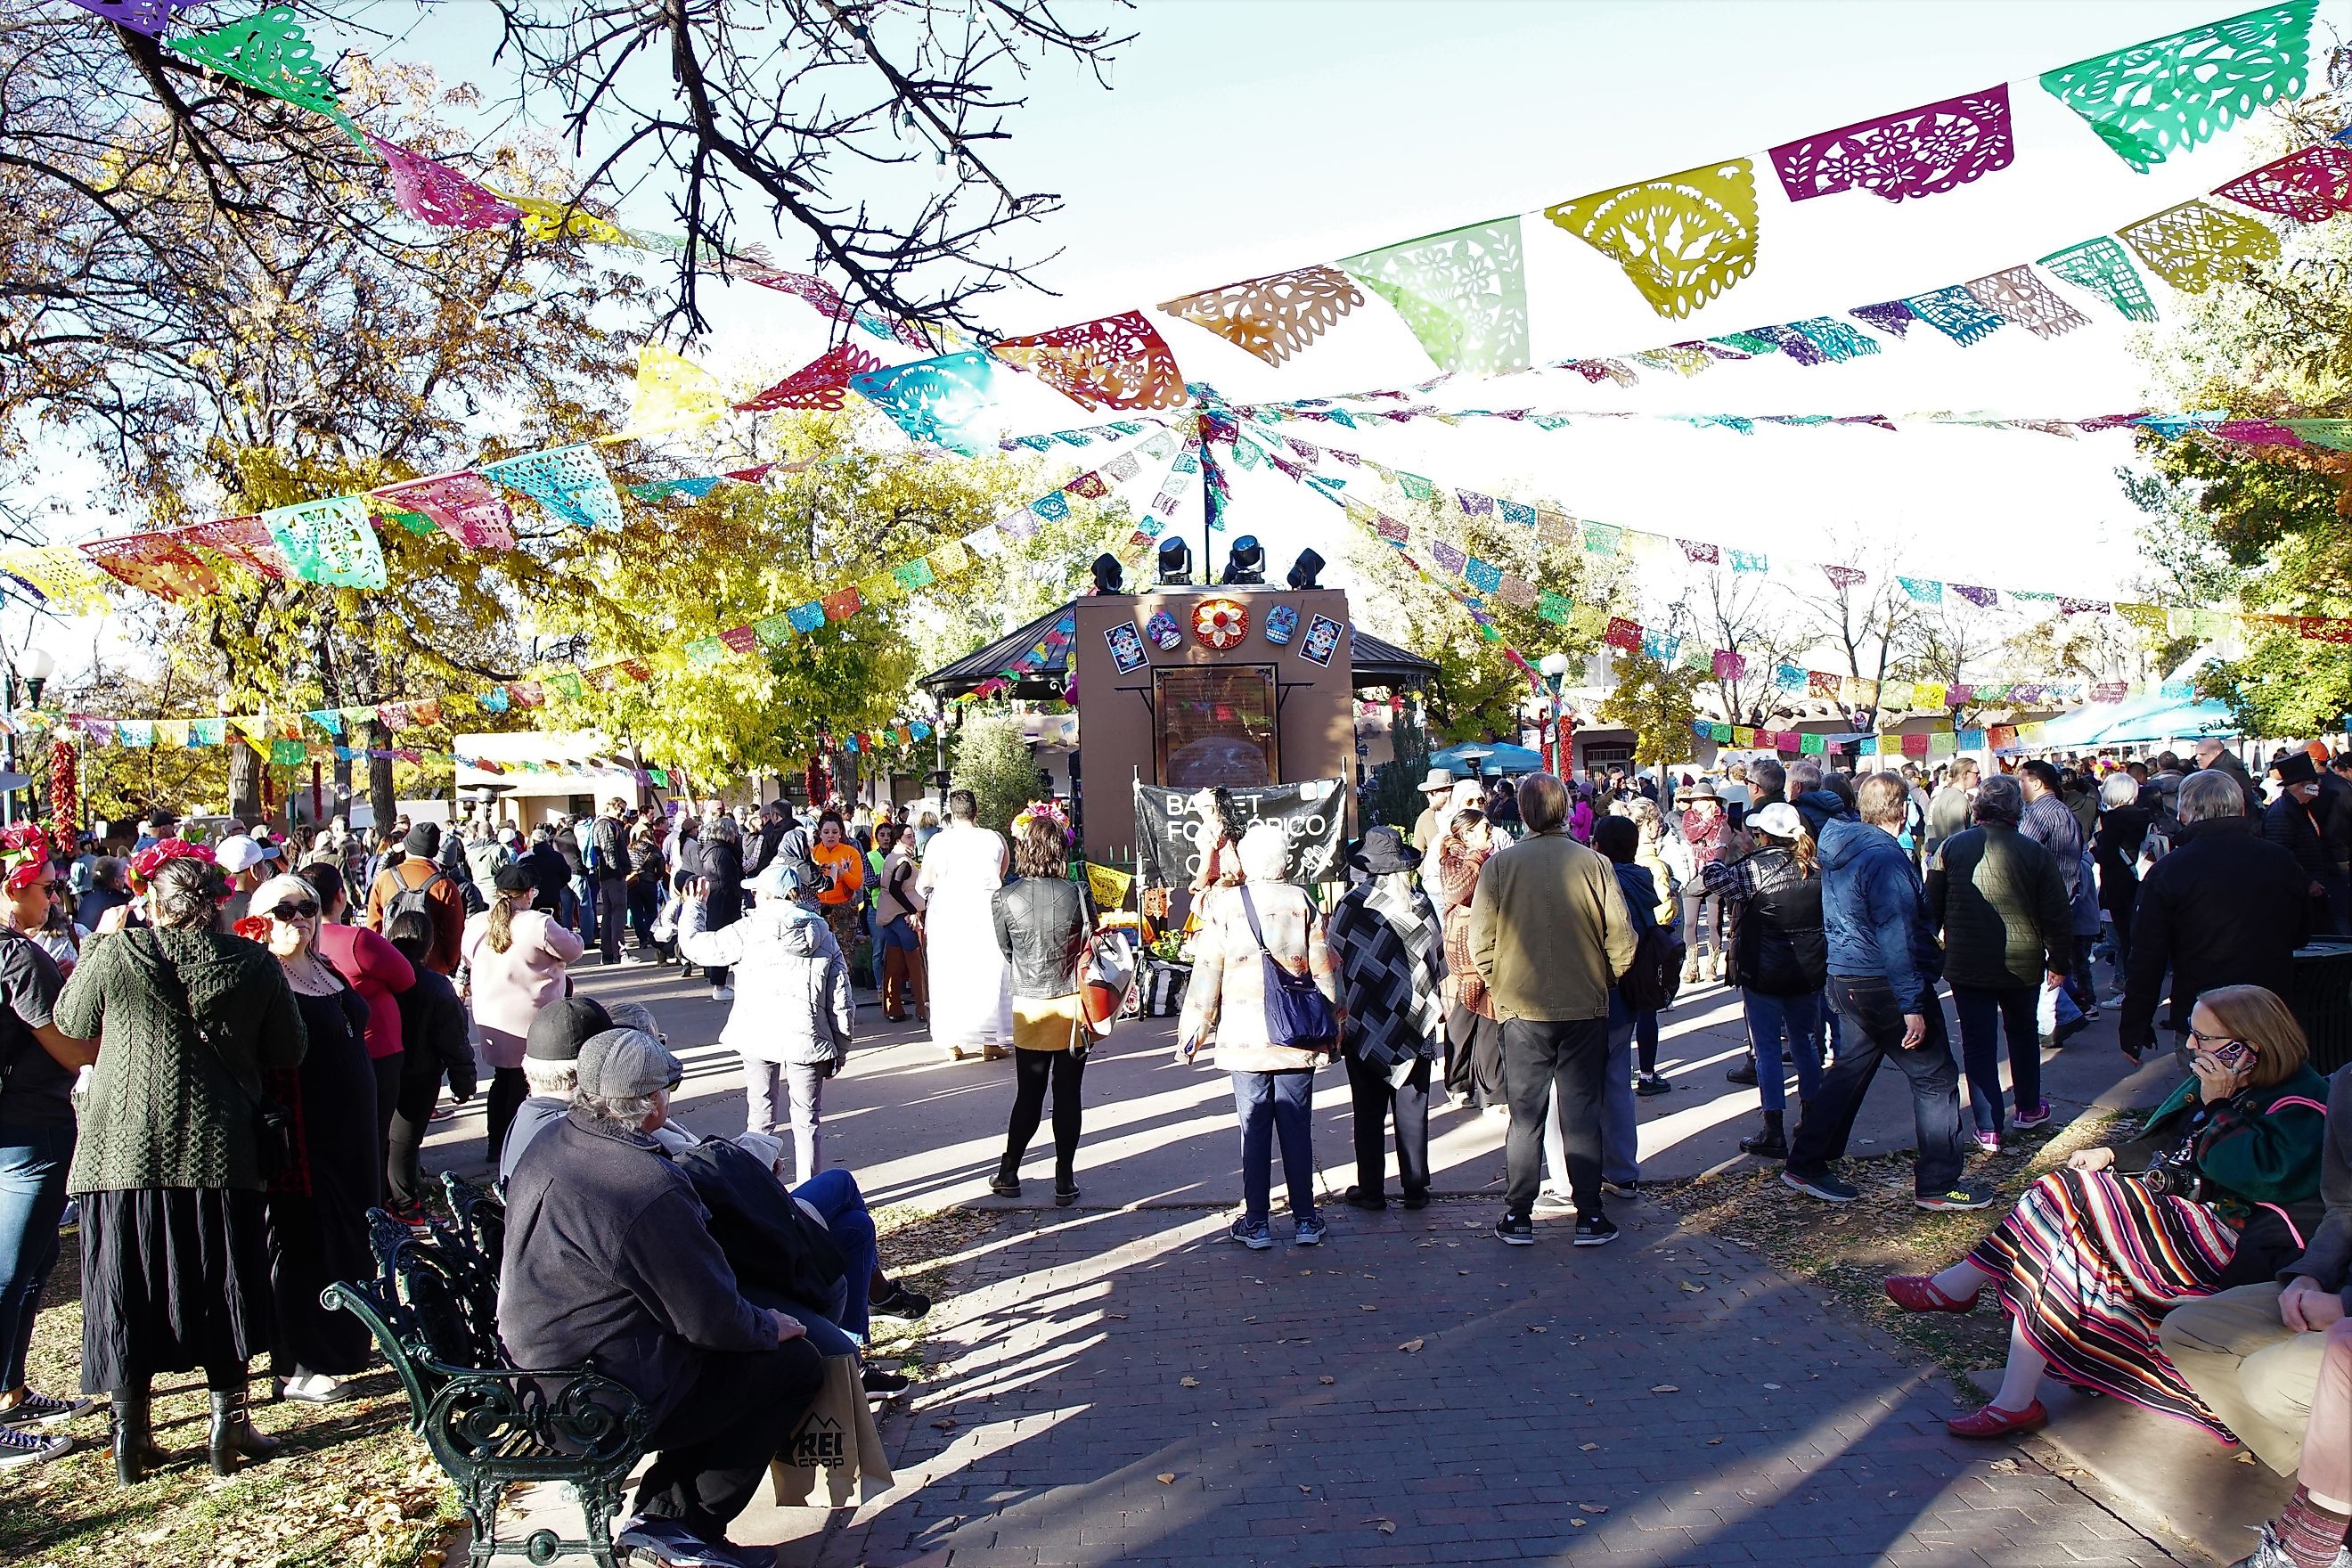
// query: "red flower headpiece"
[[24, 850], [153, 858], [254, 928]]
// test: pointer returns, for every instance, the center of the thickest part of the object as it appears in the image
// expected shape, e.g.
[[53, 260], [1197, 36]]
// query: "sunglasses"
[[303, 911]]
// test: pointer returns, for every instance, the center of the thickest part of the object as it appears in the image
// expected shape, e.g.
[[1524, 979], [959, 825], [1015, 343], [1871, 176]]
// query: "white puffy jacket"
[[791, 988]]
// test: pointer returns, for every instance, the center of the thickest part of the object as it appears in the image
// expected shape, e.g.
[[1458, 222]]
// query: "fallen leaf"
[[2003, 1467], [1688, 1286], [1189, 1382], [1308, 1489], [1166, 1478], [1412, 1345], [1327, 1380], [1772, 1385], [1538, 1329], [1578, 1523], [945, 1422], [1594, 1507], [1715, 1442], [1664, 1388], [1385, 1526], [1119, 1316], [1588, 1447], [1368, 1307]]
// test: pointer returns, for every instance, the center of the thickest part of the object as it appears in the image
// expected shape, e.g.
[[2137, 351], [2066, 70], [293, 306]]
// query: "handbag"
[[1110, 972], [1297, 1013]]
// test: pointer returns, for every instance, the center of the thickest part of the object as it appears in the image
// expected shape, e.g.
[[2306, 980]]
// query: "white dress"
[[971, 984]]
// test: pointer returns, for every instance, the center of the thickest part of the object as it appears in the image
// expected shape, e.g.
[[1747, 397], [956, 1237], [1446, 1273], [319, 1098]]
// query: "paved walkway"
[[1118, 1384], [919, 1129]]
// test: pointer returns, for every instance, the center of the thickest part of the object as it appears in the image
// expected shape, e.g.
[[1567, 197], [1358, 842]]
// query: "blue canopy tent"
[[1489, 758], [2136, 722]]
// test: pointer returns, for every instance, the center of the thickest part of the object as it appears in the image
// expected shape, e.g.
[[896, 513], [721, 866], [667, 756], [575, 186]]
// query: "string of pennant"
[[1682, 239], [1555, 523], [2217, 425], [322, 734], [1486, 582], [1933, 742]]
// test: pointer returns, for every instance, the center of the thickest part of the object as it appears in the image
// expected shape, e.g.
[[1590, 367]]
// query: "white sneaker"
[[1549, 1202], [722, 994]]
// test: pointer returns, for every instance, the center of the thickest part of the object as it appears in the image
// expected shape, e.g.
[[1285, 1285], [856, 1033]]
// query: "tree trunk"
[[381, 798], [244, 779]]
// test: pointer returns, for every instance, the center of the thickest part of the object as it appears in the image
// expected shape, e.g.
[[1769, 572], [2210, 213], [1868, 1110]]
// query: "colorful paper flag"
[[1462, 293], [1682, 239]]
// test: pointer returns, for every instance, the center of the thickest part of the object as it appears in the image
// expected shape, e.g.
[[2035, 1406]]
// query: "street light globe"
[[1554, 666], [38, 664]]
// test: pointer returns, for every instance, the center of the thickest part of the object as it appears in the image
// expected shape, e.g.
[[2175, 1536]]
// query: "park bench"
[[432, 1308]]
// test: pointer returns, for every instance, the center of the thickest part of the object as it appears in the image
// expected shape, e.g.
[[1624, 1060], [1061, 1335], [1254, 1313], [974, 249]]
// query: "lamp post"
[[1555, 671], [34, 670]]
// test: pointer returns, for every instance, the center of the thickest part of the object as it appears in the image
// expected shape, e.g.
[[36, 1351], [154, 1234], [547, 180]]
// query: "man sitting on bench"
[[609, 1255]]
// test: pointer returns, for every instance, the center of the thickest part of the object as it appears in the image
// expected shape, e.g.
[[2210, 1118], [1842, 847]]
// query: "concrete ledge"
[[2161, 1476]]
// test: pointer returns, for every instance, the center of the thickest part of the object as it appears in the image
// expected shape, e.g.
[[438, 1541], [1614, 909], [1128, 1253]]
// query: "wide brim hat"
[[1699, 791], [1438, 779]]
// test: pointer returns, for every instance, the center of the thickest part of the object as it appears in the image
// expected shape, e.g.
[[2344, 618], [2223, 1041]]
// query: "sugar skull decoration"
[[1165, 635], [1220, 624], [1281, 623]]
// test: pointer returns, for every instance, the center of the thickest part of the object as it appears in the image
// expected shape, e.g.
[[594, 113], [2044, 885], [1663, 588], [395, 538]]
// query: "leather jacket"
[[1041, 926], [1778, 947]]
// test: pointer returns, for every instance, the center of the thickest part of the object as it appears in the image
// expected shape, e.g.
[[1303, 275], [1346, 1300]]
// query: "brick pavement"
[[1662, 1402]]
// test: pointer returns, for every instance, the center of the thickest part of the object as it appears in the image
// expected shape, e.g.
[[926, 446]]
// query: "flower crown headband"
[[24, 850], [148, 861]]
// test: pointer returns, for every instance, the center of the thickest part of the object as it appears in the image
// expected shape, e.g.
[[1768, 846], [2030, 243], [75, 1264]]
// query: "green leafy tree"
[[1658, 702], [746, 553], [2274, 524], [992, 759]]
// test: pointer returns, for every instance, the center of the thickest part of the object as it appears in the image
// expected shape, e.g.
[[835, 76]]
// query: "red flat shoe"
[[1992, 1421], [1917, 1293]]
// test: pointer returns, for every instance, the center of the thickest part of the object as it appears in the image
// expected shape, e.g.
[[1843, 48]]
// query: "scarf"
[[1391, 964]]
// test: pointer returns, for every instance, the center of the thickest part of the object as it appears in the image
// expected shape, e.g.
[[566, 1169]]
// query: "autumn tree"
[[1868, 621], [223, 305], [992, 761], [750, 554], [1659, 704]]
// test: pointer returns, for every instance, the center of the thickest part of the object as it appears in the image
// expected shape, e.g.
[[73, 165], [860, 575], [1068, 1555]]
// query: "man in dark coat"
[[609, 1255], [551, 878], [2222, 908], [2293, 823], [2008, 933]]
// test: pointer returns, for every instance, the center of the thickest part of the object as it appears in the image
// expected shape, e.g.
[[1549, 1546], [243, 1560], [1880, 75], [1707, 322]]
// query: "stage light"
[[1245, 563], [1175, 562], [1107, 577], [1309, 568]]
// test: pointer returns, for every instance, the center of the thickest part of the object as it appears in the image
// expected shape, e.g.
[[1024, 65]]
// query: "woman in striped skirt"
[[2091, 1258]]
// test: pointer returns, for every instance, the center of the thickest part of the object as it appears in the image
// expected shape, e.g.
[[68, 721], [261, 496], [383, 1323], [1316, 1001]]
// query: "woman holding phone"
[[2093, 1257]]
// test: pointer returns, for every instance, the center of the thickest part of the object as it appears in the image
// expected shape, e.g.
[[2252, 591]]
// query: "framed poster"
[[1215, 724]]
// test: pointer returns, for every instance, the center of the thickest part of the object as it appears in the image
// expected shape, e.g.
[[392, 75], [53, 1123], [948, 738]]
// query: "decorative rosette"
[[24, 850], [148, 861], [254, 928], [1220, 624]]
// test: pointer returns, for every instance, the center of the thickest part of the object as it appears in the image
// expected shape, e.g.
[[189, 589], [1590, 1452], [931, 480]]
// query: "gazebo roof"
[[1373, 661]]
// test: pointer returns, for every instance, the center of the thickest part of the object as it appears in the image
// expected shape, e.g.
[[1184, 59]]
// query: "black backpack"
[[418, 900], [1650, 981]]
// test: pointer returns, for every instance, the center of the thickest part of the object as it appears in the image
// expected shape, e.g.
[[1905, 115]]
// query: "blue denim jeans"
[[834, 1194], [1620, 1135], [583, 901], [33, 1165], [1982, 1015], [1770, 1021], [1273, 1105]]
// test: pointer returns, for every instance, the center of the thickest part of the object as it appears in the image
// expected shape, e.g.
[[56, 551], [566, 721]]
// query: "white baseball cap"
[[238, 852]]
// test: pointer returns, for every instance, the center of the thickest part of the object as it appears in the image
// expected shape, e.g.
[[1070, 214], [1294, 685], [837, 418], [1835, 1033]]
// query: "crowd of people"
[[227, 1054]]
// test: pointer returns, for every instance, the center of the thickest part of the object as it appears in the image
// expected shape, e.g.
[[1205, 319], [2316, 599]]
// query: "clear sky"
[[1245, 136]]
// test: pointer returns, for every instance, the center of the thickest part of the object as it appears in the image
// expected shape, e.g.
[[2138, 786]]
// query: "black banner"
[[1312, 815]]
